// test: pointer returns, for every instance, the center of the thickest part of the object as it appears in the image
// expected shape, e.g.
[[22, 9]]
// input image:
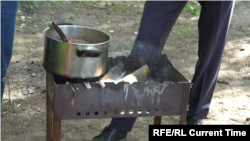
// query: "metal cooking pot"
[[76, 61]]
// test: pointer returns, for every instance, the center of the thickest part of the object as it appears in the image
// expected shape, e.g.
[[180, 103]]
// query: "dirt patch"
[[230, 104]]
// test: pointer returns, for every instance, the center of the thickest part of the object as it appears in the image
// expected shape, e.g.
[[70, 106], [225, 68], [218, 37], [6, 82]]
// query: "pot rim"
[[77, 26]]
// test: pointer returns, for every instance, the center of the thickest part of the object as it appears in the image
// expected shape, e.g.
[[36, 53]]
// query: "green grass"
[[182, 33], [193, 8], [141, 1], [76, 10], [18, 21], [86, 1], [183, 48], [33, 4]]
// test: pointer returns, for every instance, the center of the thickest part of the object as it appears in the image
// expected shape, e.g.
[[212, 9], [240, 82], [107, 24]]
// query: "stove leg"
[[49, 119], [49, 122], [184, 104], [57, 130], [157, 120]]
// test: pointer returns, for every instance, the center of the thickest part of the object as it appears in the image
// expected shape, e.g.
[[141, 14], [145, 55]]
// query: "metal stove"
[[165, 93]]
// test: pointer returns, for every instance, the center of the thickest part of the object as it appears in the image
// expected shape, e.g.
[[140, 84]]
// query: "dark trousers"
[[8, 22], [156, 23]]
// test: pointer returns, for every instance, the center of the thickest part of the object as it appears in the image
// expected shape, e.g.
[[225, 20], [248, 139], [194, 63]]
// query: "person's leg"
[[213, 28], [8, 20], [157, 21]]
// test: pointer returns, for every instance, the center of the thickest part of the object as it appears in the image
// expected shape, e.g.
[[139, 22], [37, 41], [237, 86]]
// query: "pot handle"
[[88, 53]]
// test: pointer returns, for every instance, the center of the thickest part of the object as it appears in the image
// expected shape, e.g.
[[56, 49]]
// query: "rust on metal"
[[49, 84], [57, 130], [157, 120], [53, 125]]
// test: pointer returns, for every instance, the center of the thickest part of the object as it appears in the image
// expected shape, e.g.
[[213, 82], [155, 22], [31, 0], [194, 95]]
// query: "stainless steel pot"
[[77, 61]]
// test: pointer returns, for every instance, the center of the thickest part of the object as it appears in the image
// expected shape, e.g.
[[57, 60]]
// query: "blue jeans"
[[8, 20]]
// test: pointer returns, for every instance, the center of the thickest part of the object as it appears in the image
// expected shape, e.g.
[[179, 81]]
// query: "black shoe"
[[110, 134], [194, 121]]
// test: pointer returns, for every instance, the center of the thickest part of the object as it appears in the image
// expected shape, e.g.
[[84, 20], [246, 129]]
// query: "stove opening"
[[131, 112], [148, 111], [156, 110], [139, 111], [122, 112]]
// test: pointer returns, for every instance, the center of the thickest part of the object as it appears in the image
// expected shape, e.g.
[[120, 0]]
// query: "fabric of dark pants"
[[8, 22], [156, 23]]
